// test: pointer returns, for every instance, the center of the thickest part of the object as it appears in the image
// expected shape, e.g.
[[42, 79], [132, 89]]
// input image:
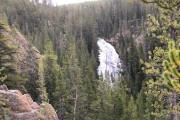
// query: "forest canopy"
[[145, 34]]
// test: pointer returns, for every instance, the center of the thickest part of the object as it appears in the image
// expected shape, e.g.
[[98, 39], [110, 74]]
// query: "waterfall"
[[110, 65]]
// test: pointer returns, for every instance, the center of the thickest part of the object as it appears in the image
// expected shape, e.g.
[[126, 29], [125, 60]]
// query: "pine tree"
[[171, 74], [59, 95], [131, 110], [140, 102], [162, 85], [4, 111], [120, 99], [2, 79], [51, 70], [103, 106], [135, 72], [41, 81], [89, 80], [55, 82], [74, 96]]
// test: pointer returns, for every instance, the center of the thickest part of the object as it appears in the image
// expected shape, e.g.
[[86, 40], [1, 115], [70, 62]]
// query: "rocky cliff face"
[[22, 107], [20, 60], [138, 38], [27, 55]]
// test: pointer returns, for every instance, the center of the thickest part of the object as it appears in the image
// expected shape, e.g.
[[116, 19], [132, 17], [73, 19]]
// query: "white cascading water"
[[109, 60]]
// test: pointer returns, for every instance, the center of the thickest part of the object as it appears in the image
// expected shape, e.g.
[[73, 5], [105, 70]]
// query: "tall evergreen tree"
[[103, 106], [166, 29], [42, 89], [51, 71]]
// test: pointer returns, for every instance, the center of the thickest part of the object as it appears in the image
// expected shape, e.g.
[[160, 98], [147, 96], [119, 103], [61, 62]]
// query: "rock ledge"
[[22, 107]]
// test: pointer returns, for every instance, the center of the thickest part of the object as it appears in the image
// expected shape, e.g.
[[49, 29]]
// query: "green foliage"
[[120, 100], [51, 73], [4, 112], [141, 104], [103, 106], [54, 79], [41, 82], [2, 78], [132, 110], [161, 68], [74, 78], [67, 37], [136, 75], [7, 57], [171, 73]]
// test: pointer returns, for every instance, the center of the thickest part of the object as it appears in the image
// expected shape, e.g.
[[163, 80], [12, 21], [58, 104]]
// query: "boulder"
[[22, 107]]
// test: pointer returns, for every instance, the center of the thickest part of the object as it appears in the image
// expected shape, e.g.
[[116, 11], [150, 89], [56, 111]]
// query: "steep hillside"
[[18, 56], [20, 60]]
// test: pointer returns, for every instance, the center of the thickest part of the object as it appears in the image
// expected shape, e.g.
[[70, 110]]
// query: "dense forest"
[[145, 34]]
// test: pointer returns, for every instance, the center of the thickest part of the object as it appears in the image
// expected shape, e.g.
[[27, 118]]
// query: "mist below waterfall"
[[109, 60]]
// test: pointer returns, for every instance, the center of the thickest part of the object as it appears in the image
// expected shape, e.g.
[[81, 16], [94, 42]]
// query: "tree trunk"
[[175, 116], [75, 104]]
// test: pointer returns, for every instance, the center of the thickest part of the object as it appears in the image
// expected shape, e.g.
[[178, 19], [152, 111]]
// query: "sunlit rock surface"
[[22, 107]]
